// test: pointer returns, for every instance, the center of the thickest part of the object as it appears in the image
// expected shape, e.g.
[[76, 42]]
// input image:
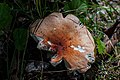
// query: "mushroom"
[[69, 37]]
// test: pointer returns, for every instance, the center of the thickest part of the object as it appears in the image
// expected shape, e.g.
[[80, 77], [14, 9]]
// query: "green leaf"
[[5, 17], [76, 5], [20, 37], [100, 46], [83, 7]]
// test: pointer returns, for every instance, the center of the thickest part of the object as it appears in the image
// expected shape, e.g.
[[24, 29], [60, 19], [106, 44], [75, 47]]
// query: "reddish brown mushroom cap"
[[69, 37]]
